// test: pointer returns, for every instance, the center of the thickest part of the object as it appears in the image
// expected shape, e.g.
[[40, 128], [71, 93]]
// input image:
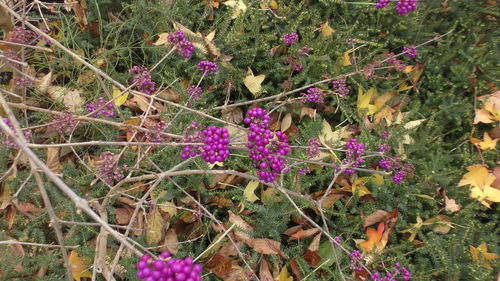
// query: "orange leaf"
[[374, 238]]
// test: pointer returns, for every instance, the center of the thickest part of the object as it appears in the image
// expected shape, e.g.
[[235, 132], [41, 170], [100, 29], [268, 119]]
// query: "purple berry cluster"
[[341, 88], [155, 133], [266, 148], [109, 170], [410, 51], [194, 93], [313, 147], [314, 95], [64, 123], [216, 144], [355, 257], [382, 4], [22, 36], [384, 148], [207, 67], [142, 79], [304, 51], [290, 39], [403, 7], [166, 268], [100, 108], [397, 271], [354, 152], [8, 140], [183, 46], [400, 171]]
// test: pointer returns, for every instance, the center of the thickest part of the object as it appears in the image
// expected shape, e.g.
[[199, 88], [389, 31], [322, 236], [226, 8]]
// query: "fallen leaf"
[[483, 116], [168, 207], [171, 242], [326, 30], [487, 143], [375, 217], [413, 230], [286, 122], [295, 269], [242, 227], [249, 191], [346, 60], [450, 204], [314, 246], [119, 97], [374, 239], [441, 224], [253, 83], [79, 269], [481, 181], [162, 39], [312, 258], [53, 159], [238, 6], [266, 246], [219, 265], [123, 215], [307, 111], [301, 234], [69, 97], [42, 84], [264, 271], [284, 275], [481, 255], [154, 225]]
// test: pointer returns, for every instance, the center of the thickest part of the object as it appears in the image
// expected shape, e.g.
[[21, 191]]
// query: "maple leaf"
[[253, 83], [326, 30], [488, 143], [480, 180], [374, 239], [78, 268], [481, 255]]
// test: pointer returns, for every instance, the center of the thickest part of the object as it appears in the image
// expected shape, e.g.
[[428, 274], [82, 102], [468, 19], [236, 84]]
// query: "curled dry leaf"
[[53, 159], [301, 234], [264, 271], [450, 204], [155, 224], [171, 242], [79, 269]]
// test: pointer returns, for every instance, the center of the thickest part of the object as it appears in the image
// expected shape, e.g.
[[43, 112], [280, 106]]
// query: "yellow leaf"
[[253, 83], [168, 207], [477, 177], [346, 60], [327, 31], [413, 124], [409, 68], [403, 87], [359, 184], [274, 4], [284, 275], [162, 39], [364, 101], [120, 99], [238, 7], [155, 225], [487, 143], [249, 191], [377, 179], [78, 268], [481, 255], [382, 100], [493, 106]]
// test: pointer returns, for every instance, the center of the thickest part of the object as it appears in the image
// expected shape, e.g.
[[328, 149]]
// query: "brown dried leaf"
[[242, 227], [292, 230], [450, 204], [28, 208], [314, 246], [266, 246], [307, 111], [53, 159], [375, 217], [295, 269], [286, 122], [312, 258], [301, 234], [171, 242], [264, 271], [219, 265], [233, 115]]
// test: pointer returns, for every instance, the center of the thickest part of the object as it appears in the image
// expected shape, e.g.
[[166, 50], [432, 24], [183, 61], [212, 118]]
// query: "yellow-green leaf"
[[326, 30], [168, 207], [346, 60], [155, 225], [250, 191], [119, 99]]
